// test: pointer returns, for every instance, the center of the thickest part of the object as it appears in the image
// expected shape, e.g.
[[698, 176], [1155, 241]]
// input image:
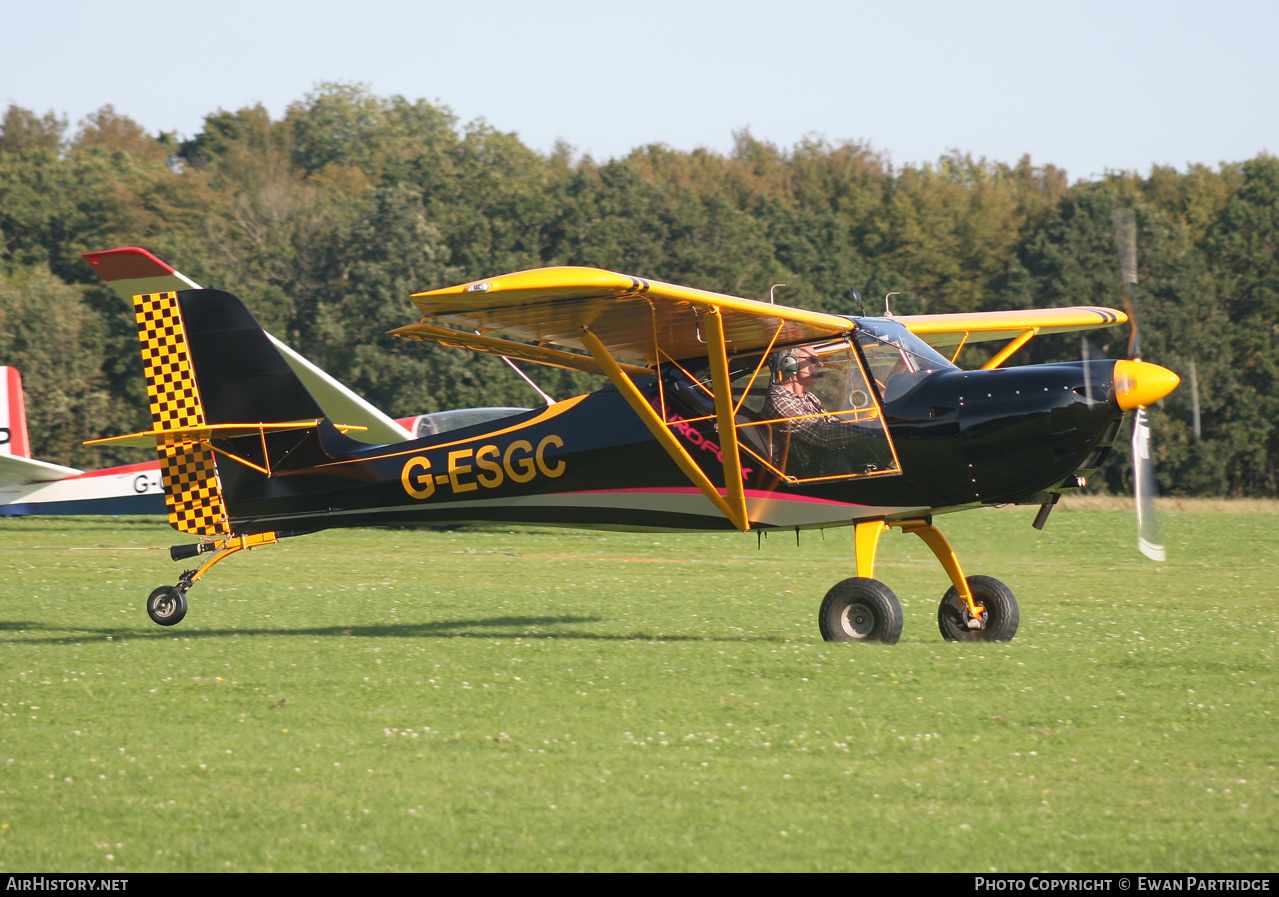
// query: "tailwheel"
[[860, 610], [997, 624], [167, 605]]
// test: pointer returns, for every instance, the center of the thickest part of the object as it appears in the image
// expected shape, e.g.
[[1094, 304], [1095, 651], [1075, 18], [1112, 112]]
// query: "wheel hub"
[[978, 622], [858, 621]]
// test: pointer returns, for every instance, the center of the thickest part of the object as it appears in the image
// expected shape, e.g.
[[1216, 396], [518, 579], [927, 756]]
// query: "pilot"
[[806, 439]]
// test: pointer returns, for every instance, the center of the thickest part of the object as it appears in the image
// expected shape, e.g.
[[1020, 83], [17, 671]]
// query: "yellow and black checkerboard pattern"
[[191, 487]]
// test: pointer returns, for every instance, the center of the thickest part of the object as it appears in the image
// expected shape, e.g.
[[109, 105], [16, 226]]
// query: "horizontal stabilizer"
[[190, 435]]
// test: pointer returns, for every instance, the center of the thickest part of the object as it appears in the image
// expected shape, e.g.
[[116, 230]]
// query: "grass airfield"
[[537, 699]]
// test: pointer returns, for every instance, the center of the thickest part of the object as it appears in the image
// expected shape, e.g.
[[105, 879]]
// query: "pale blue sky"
[[1087, 85]]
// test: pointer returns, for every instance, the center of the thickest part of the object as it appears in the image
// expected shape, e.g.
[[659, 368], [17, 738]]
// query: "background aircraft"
[[30, 486]]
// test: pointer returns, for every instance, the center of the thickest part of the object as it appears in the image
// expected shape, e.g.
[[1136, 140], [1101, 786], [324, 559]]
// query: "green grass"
[[558, 700]]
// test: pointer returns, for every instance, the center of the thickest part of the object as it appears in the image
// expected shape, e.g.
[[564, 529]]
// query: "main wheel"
[[860, 610], [167, 605], [1001, 614]]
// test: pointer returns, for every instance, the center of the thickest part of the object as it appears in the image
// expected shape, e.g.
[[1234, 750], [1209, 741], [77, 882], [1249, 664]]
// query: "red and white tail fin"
[[13, 415], [16, 464], [132, 271]]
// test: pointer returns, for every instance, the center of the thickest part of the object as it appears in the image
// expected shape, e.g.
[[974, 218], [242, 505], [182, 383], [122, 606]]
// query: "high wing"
[[1019, 327], [951, 330], [132, 271], [629, 326], [637, 320]]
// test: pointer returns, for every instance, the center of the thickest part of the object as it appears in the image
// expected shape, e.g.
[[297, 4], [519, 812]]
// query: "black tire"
[[861, 610], [1002, 615], [167, 605]]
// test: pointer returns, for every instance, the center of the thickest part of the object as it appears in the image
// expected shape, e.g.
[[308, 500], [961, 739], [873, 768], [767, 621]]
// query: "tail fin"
[[17, 467], [208, 363], [131, 271], [13, 415]]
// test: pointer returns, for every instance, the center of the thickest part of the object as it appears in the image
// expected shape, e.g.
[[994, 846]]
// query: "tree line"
[[326, 219]]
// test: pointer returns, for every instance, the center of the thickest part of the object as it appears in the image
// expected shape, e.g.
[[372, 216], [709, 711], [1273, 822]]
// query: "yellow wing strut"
[[1006, 352], [735, 493], [734, 506]]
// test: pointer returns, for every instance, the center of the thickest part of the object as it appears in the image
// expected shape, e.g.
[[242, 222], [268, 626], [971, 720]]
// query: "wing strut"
[[1006, 352], [735, 494], [733, 503]]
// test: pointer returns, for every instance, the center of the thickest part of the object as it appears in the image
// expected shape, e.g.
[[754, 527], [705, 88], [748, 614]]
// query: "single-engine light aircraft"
[[722, 413]]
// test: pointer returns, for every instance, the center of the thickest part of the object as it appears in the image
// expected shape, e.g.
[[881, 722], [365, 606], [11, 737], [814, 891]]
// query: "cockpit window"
[[813, 416], [898, 360]]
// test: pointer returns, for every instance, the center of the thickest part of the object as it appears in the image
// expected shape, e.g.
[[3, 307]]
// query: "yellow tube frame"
[[229, 546], [733, 504], [735, 492]]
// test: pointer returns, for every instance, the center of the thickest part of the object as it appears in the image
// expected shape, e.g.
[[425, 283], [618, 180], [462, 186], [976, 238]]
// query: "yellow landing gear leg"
[[862, 609], [974, 608], [167, 605], [934, 539], [867, 535]]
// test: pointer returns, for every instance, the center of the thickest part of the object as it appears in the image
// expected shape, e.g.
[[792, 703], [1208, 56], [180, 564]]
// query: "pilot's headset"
[[785, 364]]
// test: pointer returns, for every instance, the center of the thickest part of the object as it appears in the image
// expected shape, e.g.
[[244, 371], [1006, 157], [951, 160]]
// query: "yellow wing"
[[636, 319], [951, 330], [639, 319]]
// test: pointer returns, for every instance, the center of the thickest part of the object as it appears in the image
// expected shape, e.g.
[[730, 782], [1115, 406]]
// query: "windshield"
[[898, 360]]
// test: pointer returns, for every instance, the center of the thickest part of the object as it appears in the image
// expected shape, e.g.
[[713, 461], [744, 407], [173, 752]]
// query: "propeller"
[[1149, 541], [1087, 352], [1196, 430]]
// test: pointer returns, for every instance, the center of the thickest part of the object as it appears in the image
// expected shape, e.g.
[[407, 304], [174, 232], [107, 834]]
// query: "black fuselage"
[[963, 439]]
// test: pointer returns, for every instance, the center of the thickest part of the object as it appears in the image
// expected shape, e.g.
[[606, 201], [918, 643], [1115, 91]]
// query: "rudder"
[[192, 491]]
